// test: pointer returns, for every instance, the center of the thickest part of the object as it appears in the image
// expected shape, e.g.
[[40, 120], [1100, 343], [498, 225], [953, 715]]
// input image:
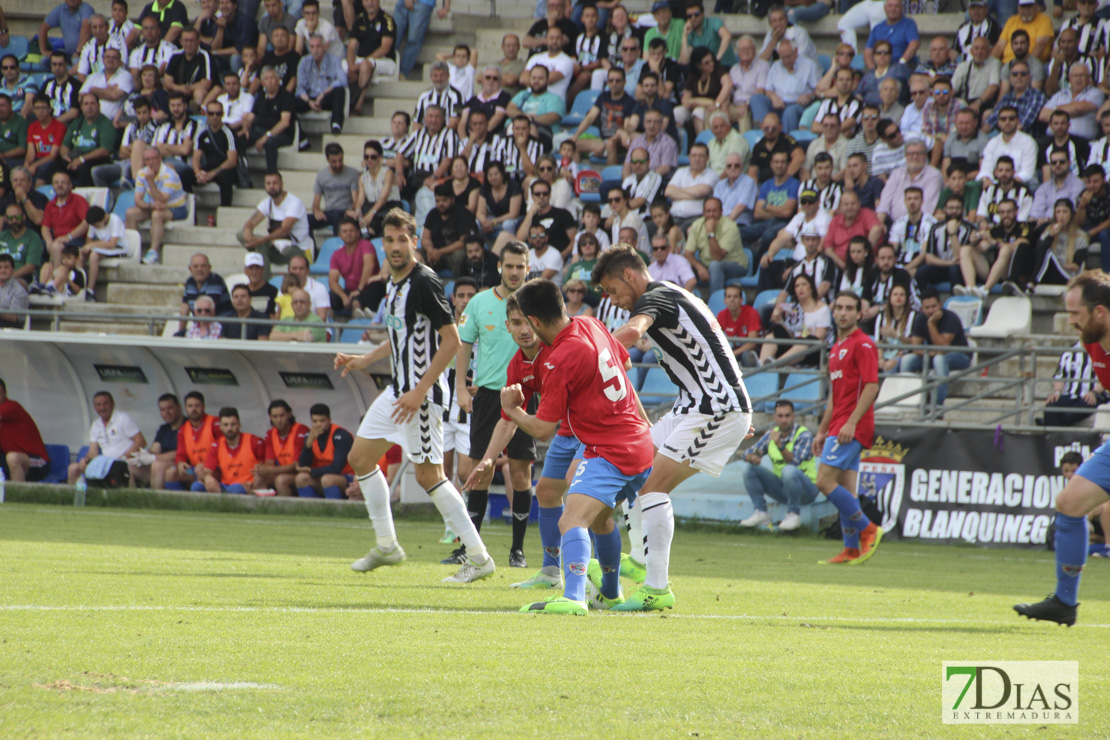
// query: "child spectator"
[[285, 301], [67, 279], [107, 238], [462, 64], [568, 166]]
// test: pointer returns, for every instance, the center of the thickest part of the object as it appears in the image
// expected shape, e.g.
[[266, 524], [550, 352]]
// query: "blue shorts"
[[598, 478], [1097, 468], [845, 457], [560, 454], [233, 488]]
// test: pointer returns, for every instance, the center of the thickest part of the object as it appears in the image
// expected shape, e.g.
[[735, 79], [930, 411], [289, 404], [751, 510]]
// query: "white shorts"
[[707, 441], [456, 436], [382, 67], [421, 437]]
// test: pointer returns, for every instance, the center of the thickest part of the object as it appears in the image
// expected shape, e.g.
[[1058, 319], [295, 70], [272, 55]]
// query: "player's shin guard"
[[1071, 556], [550, 536], [658, 518], [450, 504], [609, 557], [576, 559], [633, 514], [375, 493], [852, 518], [522, 507], [476, 503]]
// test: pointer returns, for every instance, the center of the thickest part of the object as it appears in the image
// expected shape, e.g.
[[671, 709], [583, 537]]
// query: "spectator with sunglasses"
[[667, 266], [1022, 96], [890, 153], [215, 158]]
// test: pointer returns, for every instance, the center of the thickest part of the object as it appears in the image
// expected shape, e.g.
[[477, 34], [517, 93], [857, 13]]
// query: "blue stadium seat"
[[763, 389], [857, 62], [276, 281], [751, 280], [825, 62], [380, 251], [802, 136], [968, 307], [323, 260], [59, 464], [657, 388], [448, 288], [48, 191], [754, 136], [704, 137], [765, 297], [716, 301], [353, 331], [683, 148], [612, 172], [582, 104], [124, 200], [82, 452], [806, 395], [20, 46]]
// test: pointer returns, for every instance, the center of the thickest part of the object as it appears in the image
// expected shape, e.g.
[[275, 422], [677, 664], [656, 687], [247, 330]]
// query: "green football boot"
[[647, 599], [556, 605]]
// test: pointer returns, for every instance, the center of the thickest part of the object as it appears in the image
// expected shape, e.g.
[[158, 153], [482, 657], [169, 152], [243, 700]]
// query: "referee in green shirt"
[[484, 323]]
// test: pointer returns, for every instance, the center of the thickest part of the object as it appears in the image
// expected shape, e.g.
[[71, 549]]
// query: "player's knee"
[[1071, 503], [303, 479], [428, 476]]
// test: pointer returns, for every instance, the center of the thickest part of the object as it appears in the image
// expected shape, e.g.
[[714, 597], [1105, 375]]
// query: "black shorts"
[[38, 470], [487, 412]]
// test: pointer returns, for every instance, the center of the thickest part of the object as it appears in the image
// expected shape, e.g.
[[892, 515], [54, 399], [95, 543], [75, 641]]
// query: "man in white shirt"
[[287, 230], [690, 186], [643, 184], [544, 261], [790, 236], [667, 266], [111, 85], [236, 104], [913, 119], [559, 65], [1018, 145], [113, 434], [321, 299]]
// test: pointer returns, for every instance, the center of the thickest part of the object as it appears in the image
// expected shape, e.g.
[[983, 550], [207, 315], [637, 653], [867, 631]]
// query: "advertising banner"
[[993, 489]]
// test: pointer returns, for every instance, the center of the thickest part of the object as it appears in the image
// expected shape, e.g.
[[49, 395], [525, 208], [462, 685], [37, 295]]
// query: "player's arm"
[[462, 361], [358, 362], [407, 405], [823, 428], [502, 433], [639, 406], [512, 403], [631, 332]]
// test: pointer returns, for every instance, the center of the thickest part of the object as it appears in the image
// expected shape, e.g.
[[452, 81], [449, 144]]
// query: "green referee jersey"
[[483, 324]]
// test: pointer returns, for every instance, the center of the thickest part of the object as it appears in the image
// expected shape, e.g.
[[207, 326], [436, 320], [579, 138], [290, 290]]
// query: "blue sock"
[[333, 492], [306, 492], [609, 556], [174, 486], [549, 534], [199, 487], [849, 529], [237, 488], [576, 558], [852, 519], [1071, 556]]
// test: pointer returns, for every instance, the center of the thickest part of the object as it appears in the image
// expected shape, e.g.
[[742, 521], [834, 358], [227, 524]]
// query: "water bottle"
[[3, 482], [79, 492]]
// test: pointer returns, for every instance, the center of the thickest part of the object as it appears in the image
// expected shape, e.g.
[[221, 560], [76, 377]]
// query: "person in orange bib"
[[194, 439], [284, 444], [323, 467], [229, 467]]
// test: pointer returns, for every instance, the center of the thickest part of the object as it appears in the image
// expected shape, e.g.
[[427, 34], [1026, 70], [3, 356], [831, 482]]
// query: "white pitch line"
[[216, 686], [400, 610]]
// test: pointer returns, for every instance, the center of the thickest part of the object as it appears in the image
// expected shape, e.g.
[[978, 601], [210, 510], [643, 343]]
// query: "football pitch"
[[189, 624]]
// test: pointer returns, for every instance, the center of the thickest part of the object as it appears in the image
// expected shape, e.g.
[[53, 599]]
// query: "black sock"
[[522, 505], [476, 503]]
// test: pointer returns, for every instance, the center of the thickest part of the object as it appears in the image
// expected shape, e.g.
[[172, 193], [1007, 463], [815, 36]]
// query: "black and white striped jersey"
[[170, 134], [995, 194], [850, 109], [480, 154], [506, 152], [876, 287], [449, 99], [610, 314], [820, 268], [425, 151], [940, 244], [828, 197], [694, 351], [1076, 372], [63, 95], [416, 308], [1092, 36]]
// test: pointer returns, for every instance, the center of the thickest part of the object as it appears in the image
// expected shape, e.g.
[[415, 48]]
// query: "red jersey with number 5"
[[529, 374], [853, 363], [584, 379], [1100, 362]]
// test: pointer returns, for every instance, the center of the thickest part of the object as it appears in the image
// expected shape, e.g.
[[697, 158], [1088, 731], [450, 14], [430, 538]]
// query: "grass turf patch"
[[123, 622]]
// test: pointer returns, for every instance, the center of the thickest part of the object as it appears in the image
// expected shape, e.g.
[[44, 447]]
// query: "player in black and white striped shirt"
[[421, 343], [710, 417], [1074, 387], [441, 94]]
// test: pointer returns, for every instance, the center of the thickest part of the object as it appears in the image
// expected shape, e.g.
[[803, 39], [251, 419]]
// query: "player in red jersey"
[[585, 385], [1087, 301], [848, 428]]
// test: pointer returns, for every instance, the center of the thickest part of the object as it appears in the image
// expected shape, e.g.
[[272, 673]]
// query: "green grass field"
[[155, 623]]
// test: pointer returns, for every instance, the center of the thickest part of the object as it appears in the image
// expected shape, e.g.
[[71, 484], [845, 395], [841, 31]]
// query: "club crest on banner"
[[882, 478]]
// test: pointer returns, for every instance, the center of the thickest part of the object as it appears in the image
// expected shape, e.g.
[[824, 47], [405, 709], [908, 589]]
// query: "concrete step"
[[226, 260], [120, 309], [231, 216], [316, 124], [144, 294], [107, 327], [153, 274], [305, 164]]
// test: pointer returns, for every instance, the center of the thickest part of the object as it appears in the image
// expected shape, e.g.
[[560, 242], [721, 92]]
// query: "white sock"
[[658, 523], [375, 492], [634, 517], [450, 504]]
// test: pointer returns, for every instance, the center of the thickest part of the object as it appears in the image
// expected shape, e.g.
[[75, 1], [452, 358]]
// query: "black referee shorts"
[[487, 412]]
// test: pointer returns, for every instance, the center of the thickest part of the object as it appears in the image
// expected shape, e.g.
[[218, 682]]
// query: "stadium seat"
[[1008, 316], [804, 389], [582, 104], [134, 251], [82, 452], [803, 136], [857, 62], [276, 281], [124, 200], [704, 137], [352, 333], [825, 62], [894, 386], [683, 148], [47, 190], [612, 172], [763, 389], [716, 301], [808, 115], [968, 307], [657, 388], [754, 136], [751, 280], [323, 260], [19, 46], [96, 197], [448, 288], [379, 250], [239, 278], [59, 464], [765, 297]]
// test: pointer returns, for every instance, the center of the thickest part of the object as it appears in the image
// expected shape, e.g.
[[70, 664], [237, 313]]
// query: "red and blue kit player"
[[848, 428], [1087, 301], [585, 385]]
